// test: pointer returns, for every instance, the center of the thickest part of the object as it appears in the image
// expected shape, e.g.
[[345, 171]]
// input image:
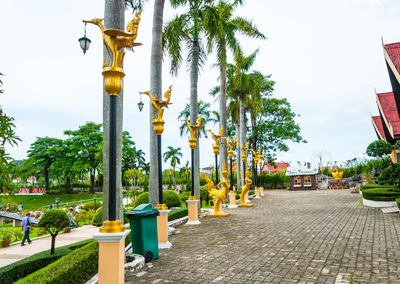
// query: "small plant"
[[142, 198], [171, 199], [98, 218], [6, 235], [53, 221]]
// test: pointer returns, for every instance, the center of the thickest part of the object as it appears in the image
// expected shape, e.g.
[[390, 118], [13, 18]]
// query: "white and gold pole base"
[[232, 199], [111, 240], [162, 227], [257, 192], [261, 191], [193, 211]]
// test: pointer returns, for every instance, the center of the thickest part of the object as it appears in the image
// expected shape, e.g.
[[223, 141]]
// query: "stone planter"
[[379, 204]]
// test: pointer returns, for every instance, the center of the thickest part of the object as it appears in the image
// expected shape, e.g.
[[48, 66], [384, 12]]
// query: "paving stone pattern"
[[287, 237]]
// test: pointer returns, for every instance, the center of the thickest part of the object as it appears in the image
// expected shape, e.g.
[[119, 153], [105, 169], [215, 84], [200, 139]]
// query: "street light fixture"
[[140, 104], [84, 42], [57, 201]]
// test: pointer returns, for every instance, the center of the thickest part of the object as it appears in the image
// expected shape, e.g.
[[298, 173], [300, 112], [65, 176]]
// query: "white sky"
[[325, 56]]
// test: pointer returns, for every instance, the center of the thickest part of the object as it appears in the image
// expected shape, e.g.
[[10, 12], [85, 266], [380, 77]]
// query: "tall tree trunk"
[[194, 77], [92, 174], [254, 146], [242, 128], [174, 179], [155, 88], [53, 244], [114, 17], [238, 160], [223, 151], [46, 179]]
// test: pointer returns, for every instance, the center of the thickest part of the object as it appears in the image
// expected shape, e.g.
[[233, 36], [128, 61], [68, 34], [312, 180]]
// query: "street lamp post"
[[112, 233], [244, 154], [256, 157], [216, 138], [158, 123], [261, 164], [57, 201], [193, 218]]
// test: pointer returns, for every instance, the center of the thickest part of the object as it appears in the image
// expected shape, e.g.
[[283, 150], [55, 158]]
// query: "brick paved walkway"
[[287, 237]]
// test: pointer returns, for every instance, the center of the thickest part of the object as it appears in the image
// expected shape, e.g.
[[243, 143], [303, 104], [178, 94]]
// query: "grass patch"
[[32, 202]]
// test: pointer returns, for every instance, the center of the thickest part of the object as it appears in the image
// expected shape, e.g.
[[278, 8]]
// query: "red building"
[[387, 123], [271, 169]]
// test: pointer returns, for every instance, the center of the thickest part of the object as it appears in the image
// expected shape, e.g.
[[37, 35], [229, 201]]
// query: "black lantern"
[[84, 42], [140, 104]]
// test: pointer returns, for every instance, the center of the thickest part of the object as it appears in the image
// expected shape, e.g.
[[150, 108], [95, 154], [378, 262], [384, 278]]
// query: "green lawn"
[[32, 202]]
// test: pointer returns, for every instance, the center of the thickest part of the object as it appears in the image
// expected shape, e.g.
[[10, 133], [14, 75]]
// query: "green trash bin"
[[143, 223]]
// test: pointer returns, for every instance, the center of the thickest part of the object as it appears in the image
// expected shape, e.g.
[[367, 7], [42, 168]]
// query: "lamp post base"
[[111, 257], [257, 192], [232, 200], [162, 229], [193, 211]]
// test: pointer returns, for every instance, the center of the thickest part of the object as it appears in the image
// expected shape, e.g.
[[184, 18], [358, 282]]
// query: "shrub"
[[26, 266], [90, 205], [53, 221], [398, 202], [381, 194], [75, 267], [98, 217], [251, 192], [185, 195], [176, 214], [142, 198], [171, 199]]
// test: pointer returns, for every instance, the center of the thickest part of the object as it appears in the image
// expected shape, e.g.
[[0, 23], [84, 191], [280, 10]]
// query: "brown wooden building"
[[303, 177]]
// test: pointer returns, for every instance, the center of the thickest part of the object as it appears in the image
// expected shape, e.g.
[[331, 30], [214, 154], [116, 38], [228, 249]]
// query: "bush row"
[[75, 267], [380, 193], [22, 268], [178, 213]]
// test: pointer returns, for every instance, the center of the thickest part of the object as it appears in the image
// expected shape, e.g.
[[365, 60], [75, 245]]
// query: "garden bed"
[[380, 196]]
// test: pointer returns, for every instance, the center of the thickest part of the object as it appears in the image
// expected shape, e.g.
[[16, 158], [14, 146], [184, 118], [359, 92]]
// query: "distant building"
[[387, 123], [271, 169], [303, 177]]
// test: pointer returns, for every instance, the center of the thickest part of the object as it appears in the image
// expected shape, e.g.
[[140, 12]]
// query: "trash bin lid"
[[144, 210]]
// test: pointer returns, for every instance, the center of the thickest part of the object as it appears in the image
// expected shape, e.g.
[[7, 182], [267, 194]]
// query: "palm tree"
[[221, 29], [207, 116], [186, 29], [173, 154]]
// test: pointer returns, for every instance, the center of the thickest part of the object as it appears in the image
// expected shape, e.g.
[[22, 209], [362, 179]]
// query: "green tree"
[[221, 30], [379, 149], [173, 154], [7, 137], [131, 156], [86, 141], [43, 153], [53, 221], [275, 126], [187, 29]]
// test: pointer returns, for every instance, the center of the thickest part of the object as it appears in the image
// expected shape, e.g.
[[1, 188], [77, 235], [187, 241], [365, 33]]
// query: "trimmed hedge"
[[171, 199], [398, 202], [142, 198], [98, 217], [26, 266], [381, 193], [75, 267], [373, 185], [176, 214]]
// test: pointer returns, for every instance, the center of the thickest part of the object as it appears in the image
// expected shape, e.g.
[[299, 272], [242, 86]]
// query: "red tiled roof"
[[393, 50], [378, 125], [268, 168], [389, 112]]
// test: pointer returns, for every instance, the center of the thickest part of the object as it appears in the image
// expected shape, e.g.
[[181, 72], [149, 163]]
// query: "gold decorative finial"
[[216, 138], [230, 144], [158, 105], [116, 41], [193, 131], [244, 151]]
